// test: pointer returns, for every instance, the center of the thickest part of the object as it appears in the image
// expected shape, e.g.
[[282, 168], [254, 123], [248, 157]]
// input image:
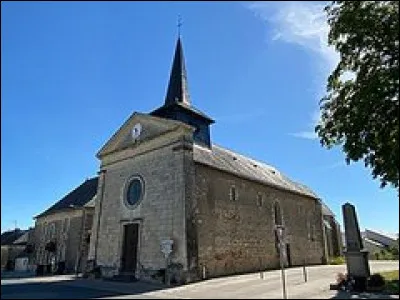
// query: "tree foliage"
[[361, 111]]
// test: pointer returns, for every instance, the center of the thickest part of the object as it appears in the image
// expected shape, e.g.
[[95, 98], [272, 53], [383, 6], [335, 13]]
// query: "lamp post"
[[280, 231]]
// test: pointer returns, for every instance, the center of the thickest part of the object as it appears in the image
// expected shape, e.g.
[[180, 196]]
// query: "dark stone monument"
[[356, 255]]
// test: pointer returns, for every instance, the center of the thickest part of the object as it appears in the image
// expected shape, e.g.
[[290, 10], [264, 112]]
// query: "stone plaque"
[[357, 263]]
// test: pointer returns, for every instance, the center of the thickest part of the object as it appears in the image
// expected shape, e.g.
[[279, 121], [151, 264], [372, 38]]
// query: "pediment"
[[150, 127]]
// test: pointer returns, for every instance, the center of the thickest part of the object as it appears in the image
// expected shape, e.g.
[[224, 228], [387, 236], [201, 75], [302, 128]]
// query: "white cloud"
[[337, 164], [303, 24], [308, 135], [300, 23]]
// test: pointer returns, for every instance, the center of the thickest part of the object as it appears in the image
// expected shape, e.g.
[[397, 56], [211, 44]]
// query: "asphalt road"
[[240, 286]]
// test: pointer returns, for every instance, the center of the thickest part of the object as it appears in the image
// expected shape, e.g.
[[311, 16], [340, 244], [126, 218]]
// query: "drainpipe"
[[103, 181]]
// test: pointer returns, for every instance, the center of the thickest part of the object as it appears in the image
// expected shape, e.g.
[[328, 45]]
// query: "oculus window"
[[134, 191]]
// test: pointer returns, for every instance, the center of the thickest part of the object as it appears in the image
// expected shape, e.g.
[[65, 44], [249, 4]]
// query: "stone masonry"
[[160, 214], [238, 236], [65, 228]]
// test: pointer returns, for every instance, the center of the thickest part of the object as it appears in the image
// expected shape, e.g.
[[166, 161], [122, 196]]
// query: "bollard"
[[304, 271]]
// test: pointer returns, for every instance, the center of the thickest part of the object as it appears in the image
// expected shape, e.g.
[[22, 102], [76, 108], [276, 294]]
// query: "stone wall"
[[160, 214], [9, 253], [238, 236], [85, 237], [65, 229], [333, 237]]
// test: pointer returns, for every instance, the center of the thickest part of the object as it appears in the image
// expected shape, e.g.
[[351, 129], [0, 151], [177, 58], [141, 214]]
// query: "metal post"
[[166, 271], [304, 271], [261, 271], [280, 232], [283, 273]]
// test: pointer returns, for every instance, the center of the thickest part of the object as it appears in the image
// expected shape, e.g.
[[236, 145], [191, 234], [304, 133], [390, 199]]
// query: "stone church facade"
[[162, 181]]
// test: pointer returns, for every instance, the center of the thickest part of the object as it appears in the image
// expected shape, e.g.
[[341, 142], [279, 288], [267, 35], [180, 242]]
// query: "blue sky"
[[72, 72]]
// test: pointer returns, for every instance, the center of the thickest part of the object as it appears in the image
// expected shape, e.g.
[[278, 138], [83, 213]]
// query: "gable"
[[151, 127]]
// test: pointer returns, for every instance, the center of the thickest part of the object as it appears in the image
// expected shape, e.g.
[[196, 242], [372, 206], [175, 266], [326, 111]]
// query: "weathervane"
[[179, 24]]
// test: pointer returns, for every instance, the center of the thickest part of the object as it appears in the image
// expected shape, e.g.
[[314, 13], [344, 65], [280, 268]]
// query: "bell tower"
[[177, 104]]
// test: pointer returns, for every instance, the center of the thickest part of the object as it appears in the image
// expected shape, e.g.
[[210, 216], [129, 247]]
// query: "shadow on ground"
[[74, 289]]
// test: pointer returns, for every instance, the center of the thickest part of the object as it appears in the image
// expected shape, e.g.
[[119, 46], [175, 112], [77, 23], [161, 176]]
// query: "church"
[[170, 200]]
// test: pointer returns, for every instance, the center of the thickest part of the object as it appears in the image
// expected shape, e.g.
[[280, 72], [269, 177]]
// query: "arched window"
[[277, 214], [259, 200], [52, 230]]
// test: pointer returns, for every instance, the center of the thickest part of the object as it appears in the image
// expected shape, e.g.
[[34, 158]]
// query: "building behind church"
[[16, 249], [62, 232]]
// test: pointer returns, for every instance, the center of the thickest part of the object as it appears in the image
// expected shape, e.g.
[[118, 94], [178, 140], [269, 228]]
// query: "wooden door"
[[129, 248]]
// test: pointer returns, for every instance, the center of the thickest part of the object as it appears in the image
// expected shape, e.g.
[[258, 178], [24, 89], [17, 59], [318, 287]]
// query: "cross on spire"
[[179, 25]]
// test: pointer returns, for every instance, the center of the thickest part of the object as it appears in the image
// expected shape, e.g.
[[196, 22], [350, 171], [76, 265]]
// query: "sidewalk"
[[17, 274], [230, 287]]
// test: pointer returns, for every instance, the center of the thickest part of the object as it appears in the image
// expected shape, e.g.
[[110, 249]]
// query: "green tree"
[[361, 111]]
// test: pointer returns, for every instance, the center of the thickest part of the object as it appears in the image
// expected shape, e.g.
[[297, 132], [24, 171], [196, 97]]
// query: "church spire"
[[178, 88]]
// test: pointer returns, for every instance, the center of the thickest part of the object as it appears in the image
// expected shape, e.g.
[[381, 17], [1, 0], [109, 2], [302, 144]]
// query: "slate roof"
[[229, 161], [178, 96], [75, 199], [178, 105], [326, 210], [23, 239], [9, 237], [178, 88]]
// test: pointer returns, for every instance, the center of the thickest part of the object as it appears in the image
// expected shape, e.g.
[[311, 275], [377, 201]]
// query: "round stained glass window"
[[134, 192]]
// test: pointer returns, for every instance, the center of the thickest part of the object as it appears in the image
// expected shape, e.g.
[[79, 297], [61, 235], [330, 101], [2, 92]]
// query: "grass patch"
[[391, 281], [338, 260]]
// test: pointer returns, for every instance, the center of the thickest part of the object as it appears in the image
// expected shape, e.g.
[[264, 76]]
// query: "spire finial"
[[177, 91], [179, 25]]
